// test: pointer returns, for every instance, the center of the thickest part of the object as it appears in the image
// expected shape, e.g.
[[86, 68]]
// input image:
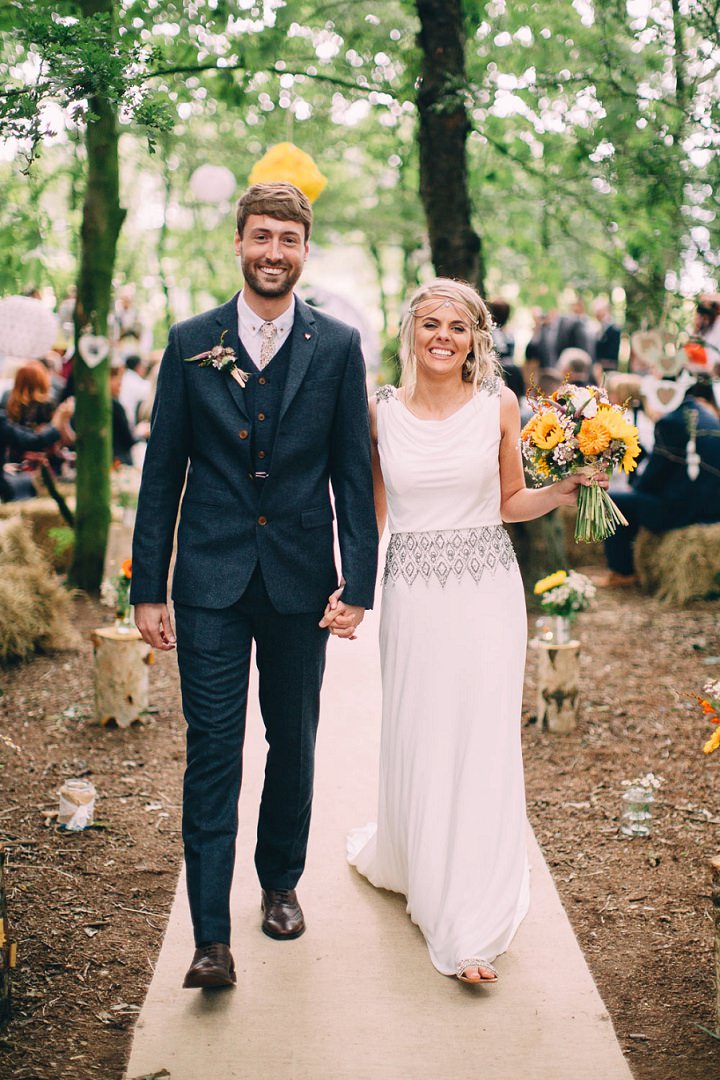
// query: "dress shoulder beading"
[[492, 385], [385, 393]]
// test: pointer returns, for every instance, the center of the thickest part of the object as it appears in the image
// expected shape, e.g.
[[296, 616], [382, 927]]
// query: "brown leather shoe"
[[282, 915], [613, 580], [212, 965]]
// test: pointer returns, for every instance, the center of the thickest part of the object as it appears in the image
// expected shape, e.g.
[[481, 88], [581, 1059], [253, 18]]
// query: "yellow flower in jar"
[[594, 436], [548, 431], [550, 582]]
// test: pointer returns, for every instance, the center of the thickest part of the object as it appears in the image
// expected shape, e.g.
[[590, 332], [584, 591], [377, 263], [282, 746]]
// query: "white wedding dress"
[[451, 828]]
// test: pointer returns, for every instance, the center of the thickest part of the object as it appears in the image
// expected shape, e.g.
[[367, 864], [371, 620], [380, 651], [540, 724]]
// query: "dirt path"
[[88, 910]]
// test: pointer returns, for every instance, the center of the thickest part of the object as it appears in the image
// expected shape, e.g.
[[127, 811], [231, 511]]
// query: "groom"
[[260, 407]]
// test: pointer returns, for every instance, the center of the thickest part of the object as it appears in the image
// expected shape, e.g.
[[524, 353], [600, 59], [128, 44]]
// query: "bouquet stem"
[[597, 515]]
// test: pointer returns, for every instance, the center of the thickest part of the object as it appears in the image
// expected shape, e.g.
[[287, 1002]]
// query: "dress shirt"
[[250, 324]]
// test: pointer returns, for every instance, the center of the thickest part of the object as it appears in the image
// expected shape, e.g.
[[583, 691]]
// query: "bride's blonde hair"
[[481, 360]]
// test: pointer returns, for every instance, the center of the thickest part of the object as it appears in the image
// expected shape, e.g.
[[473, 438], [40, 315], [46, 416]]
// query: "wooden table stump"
[[7, 950], [121, 675], [715, 896], [558, 682]]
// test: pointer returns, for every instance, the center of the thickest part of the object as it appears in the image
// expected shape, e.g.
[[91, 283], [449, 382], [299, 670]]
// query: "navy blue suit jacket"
[[680, 500], [201, 438]]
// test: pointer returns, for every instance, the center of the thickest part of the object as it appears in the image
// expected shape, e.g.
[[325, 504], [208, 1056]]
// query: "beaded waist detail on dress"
[[448, 553]]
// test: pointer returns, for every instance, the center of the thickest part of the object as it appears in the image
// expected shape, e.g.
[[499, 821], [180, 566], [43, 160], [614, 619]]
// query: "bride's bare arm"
[[378, 482], [517, 502]]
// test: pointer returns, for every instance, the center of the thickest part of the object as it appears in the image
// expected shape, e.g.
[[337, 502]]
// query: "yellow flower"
[[542, 467], [285, 161], [548, 431], [632, 451], [527, 431], [550, 582], [713, 742], [593, 437]]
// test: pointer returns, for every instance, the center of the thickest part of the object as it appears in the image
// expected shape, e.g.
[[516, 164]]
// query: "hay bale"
[[42, 516], [680, 565], [34, 607]]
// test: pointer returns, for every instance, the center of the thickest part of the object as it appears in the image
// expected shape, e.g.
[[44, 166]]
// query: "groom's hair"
[[278, 200]]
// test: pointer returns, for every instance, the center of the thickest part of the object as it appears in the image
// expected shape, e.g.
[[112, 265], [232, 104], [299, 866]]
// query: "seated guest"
[[15, 485], [575, 365], [123, 438], [665, 497], [29, 402]]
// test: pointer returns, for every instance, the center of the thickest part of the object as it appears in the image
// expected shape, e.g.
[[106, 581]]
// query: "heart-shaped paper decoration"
[[662, 396], [93, 349], [647, 349], [671, 361]]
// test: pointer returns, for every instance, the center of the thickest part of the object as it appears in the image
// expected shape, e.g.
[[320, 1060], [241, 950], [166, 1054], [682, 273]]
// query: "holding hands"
[[341, 619]]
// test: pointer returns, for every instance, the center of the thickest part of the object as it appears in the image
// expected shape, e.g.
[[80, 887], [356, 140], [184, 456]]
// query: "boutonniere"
[[223, 358]]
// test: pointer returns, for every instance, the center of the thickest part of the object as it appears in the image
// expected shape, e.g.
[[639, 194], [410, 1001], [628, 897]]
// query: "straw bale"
[[34, 607], [680, 565], [41, 515]]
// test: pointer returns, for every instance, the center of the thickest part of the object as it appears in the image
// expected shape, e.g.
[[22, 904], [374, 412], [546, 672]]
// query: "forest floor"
[[88, 910]]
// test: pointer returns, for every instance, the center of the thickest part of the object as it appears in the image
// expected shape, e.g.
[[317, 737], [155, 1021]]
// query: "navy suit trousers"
[[214, 647]]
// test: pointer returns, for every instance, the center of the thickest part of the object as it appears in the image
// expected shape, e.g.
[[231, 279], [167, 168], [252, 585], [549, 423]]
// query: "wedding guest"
[[134, 388], [575, 365], [537, 350], [607, 341], [123, 438], [665, 496], [16, 485], [503, 337], [29, 402], [451, 829]]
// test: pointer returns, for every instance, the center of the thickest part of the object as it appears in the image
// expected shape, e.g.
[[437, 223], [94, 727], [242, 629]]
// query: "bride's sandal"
[[481, 965]]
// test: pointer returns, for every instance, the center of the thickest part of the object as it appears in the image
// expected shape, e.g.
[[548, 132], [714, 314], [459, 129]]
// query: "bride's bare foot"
[[476, 971]]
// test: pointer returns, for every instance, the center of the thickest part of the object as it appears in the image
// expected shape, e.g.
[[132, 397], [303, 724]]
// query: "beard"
[[270, 288]]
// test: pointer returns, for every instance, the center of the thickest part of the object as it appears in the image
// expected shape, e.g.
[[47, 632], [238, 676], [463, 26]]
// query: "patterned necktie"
[[268, 333]]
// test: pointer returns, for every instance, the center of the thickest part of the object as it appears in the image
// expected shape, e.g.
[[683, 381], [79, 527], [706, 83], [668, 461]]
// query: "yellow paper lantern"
[[285, 161]]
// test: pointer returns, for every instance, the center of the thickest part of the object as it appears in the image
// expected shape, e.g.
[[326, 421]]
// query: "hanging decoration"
[[285, 161]]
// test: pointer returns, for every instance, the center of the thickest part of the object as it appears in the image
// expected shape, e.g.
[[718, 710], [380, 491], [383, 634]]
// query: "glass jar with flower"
[[115, 593], [562, 596], [637, 799]]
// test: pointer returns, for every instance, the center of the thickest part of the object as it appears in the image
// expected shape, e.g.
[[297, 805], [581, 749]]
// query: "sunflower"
[[632, 451], [548, 431], [550, 582], [529, 428], [594, 436]]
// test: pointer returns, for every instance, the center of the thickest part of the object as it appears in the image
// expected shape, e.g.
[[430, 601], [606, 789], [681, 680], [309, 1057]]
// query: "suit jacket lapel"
[[227, 318], [302, 348]]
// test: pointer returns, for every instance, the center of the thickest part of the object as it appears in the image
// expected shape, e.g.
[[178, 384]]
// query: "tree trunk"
[[102, 220], [456, 249], [558, 683]]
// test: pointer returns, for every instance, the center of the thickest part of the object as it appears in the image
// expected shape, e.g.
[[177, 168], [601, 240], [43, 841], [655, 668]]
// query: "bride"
[[451, 828]]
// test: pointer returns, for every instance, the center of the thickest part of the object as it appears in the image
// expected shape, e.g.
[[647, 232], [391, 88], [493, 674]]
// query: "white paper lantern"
[[212, 184], [28, 329]]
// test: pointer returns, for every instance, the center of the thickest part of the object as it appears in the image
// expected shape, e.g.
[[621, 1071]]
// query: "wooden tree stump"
[[558, 681], [715, 895], [121, 675], [7, 950]]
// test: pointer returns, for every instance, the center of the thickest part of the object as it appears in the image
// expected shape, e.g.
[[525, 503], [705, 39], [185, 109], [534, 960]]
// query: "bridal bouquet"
[[577, 430], [565, 593], [711, 707]]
